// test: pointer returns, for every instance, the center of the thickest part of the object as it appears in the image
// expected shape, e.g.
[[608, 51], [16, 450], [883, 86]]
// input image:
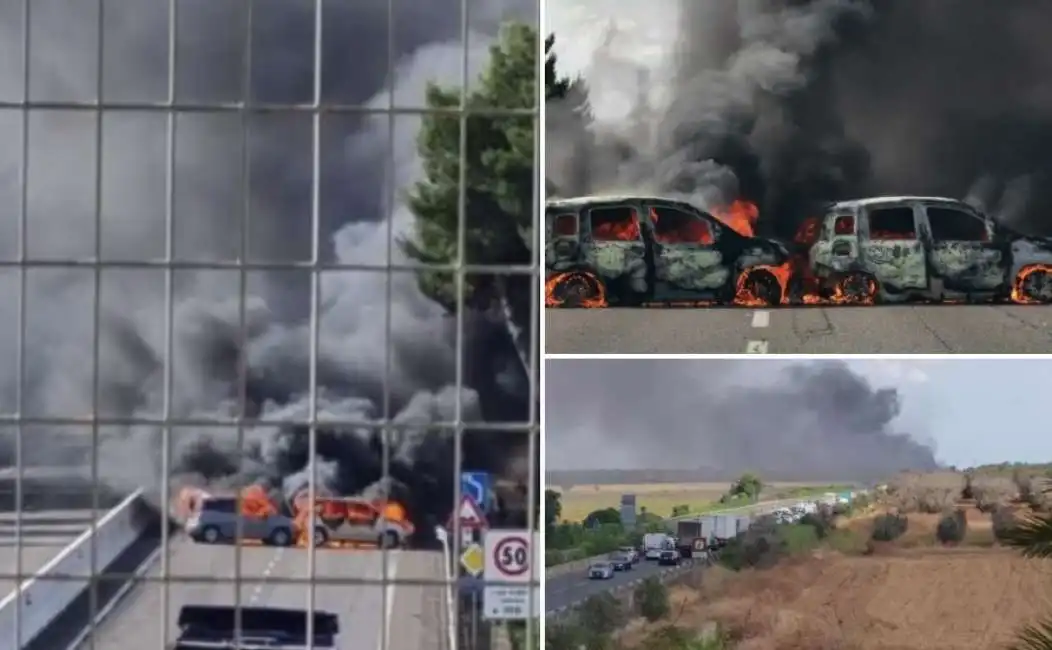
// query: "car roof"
[[578, 202], [879, 200]]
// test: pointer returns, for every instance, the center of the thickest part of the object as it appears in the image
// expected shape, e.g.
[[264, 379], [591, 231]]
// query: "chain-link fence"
[[269, 287]]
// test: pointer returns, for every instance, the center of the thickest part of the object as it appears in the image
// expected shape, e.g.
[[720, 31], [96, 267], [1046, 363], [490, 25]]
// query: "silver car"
[[601, 571], [217, 520]]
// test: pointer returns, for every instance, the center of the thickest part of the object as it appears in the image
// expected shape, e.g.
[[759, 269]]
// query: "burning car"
[[352, 520], [632, 250], [896, 249]]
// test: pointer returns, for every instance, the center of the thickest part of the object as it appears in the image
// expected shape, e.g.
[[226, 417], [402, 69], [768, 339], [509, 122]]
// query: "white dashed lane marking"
[[258, 591], [760, 319]]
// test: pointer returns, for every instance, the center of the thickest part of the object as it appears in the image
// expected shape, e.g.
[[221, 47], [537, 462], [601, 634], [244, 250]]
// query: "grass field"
[[660, 498]]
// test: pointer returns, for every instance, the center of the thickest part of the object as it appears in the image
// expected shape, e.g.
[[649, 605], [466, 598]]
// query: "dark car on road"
[[620, 562], [669, 557]]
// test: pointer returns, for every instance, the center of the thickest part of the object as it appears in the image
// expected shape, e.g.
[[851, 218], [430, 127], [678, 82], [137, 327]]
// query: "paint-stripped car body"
[[631, 250], [897, 249]]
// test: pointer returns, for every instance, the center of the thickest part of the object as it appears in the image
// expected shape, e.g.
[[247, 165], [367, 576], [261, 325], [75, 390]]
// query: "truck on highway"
[[726, 528], [654, 543]]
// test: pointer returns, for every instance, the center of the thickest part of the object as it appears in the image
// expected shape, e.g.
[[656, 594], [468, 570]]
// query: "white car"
[[601, 571]]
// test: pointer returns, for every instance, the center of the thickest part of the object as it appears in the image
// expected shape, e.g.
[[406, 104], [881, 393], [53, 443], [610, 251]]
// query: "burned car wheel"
[[579, 289], [858, 289], [1035, 285], [758, 285]]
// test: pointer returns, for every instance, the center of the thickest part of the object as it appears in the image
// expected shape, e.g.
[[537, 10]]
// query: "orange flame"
[[1028, 275], [256, 503], [574, 288], [740, 216]]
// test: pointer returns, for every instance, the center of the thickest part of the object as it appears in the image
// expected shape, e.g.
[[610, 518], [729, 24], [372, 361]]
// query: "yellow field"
[[660, 498]]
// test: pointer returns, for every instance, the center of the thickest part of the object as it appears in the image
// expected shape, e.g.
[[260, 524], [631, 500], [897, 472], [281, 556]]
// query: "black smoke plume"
[[795, 421], [793, 103], [385, 351]]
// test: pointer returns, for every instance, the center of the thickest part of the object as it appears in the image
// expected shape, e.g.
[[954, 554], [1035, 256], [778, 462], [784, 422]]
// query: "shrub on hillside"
[[988, 491], [952, 527], [889, 527], [563, 635], [601, 615], [651, 597], [1003, 521], [752, 551], [821, 521]]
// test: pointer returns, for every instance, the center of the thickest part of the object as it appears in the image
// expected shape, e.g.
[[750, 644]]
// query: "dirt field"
[[910, 594], [923, 599], [660, 498]]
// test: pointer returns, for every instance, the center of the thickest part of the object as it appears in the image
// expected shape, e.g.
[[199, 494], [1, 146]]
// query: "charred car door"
[[613, 246], [688, 265], [562, 246], [962, 250], [890, 247]]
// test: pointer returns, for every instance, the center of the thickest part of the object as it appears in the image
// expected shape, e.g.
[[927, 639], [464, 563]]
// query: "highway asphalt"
[[44, 535], [905, 329], [409, 615], [570, 589]]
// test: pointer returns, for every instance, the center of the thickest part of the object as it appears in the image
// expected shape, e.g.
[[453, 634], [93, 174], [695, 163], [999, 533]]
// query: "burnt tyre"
[[759, 285], [1035, 285], [858, 289], [579, 289]]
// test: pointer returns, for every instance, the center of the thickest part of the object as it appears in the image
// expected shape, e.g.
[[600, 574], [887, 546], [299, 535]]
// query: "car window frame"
[[587, 210]]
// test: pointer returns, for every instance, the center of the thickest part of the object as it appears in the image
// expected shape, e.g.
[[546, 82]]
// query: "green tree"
[[568, 120], [603, 517], [499, 187], [748, 485], [553, 507], [1033, 536], [555, 86]]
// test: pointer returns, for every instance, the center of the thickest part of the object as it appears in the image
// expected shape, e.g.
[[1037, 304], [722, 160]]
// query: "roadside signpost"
[[477, 485], [511, 558]]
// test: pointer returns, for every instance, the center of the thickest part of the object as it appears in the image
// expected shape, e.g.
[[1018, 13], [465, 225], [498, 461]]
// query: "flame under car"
[[351, 521], [901, 249]]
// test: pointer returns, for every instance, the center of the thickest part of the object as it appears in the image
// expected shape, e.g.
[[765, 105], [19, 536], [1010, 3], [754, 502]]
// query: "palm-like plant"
[[1033, 536]]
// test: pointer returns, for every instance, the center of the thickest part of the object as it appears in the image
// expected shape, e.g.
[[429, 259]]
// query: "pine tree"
[[499, 188]]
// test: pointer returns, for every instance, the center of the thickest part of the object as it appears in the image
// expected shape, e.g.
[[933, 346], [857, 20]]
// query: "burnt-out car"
[[897, 249], [631, 250]]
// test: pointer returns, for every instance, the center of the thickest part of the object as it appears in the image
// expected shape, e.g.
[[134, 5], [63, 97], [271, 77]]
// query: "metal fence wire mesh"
[[266, 294]]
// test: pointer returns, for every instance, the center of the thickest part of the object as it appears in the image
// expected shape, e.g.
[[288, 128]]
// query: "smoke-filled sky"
[[791, 103], [817, 417], [356, 183]]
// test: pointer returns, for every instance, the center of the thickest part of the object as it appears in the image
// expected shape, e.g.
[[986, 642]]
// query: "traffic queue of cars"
[[328, 520], [621, 560]]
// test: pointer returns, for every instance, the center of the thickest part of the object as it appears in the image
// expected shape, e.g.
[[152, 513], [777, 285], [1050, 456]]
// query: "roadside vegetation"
[[917, 535], [575, 534]]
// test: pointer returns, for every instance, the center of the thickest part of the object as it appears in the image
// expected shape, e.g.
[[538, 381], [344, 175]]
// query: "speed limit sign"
[[512, 556]]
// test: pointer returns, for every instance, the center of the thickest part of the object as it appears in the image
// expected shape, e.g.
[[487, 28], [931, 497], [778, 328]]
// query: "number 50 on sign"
[[511, 557]]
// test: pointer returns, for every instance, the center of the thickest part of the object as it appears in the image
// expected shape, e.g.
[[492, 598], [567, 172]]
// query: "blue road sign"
[[477, 486]]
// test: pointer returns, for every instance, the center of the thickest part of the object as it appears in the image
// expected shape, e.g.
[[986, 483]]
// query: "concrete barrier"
[[26, 613], [572, 567]]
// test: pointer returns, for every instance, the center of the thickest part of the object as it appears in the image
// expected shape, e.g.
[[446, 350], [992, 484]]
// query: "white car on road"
[[601, 571]]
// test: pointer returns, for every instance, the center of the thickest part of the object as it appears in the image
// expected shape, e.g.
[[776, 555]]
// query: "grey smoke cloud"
[[361, 339], [802, 419], [791, 103]]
